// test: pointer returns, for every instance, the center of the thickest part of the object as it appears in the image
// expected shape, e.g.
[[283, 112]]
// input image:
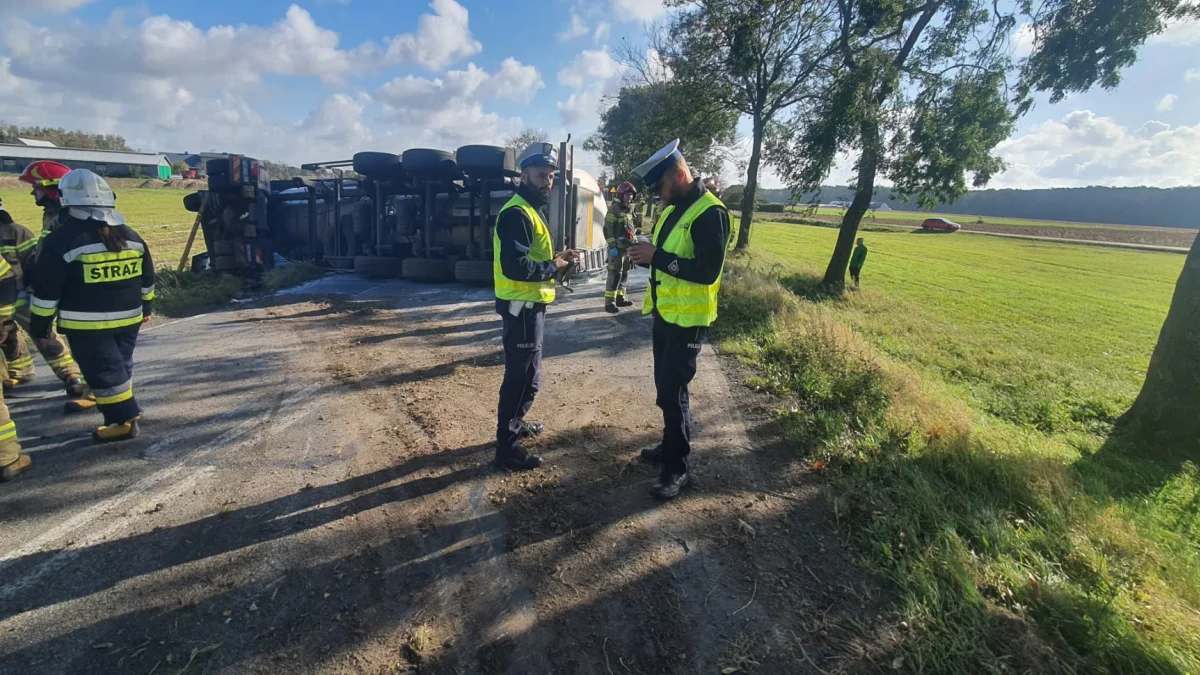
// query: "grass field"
[[157, 214], [962, 218], [964, 403]]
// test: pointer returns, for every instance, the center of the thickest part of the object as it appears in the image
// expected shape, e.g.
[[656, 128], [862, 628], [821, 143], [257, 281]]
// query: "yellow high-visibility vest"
[[540, 250], [683, 303]]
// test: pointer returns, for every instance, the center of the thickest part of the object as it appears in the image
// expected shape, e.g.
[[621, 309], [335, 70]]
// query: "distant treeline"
[[1160, 207], [63, 138]]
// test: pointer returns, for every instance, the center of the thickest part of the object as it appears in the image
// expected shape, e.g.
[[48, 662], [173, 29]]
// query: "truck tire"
[[430, 164], [475, 272], [193, 201], [225, 248], [425, 269], [375, 163], [225, 263], [375, 267], [487, 161]]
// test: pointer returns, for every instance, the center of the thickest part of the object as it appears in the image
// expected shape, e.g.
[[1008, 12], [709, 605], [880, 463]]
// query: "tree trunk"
[[743, 240], [1164, 416], [868, 165]]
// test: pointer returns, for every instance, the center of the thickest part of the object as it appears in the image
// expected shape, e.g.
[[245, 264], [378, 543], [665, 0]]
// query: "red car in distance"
[[940, 225]]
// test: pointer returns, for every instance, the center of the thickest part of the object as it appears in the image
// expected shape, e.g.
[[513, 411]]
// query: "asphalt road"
[[312, 493]]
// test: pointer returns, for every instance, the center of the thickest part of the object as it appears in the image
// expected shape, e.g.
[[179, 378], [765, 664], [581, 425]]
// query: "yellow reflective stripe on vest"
[[680, 302], [68, 320], [541, 250]]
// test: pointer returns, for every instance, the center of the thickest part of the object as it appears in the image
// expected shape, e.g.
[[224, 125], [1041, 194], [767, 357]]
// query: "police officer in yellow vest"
[[686, 259], [524, 265]]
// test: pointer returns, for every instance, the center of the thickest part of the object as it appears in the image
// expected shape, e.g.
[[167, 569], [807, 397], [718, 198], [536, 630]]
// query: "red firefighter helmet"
[[626, 189], [44, 173]]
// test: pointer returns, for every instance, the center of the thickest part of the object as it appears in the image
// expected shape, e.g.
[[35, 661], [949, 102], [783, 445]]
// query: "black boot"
[[611, 308], [623, 302], [653, 455], [531, 429], [671, 483], [517, 460]]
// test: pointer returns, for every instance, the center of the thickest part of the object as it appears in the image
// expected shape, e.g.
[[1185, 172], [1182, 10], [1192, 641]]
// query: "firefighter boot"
[[75, 387], [622, 301], [81, 404], [15, 469], [112, 433], [611, 308]]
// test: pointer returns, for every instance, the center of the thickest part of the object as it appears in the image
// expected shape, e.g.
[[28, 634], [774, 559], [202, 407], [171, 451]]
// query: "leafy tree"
[[181, 168], [527, 137], [922, 91], [752, 57], [646, 116], [733, 194], [63, 138]]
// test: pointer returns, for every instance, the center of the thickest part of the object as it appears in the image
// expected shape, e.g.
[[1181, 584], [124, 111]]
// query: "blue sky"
[[321, 79]]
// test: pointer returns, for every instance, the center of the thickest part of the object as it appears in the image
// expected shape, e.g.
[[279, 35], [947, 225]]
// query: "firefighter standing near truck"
[[96, 275], [12, 462], [524, 267], [686, 260], [18, 245], [618, 232]]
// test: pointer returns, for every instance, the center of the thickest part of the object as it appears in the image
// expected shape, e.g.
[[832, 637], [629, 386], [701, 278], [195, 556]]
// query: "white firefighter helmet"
[[88, 197]]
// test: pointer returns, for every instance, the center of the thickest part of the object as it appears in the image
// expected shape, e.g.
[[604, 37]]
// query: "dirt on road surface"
[[313, 493]]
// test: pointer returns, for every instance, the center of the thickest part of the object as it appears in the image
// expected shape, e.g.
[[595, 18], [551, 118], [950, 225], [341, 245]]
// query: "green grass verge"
[[184, 293], [963, 411]]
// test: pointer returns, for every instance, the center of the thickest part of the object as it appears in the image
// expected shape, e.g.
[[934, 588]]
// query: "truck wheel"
[[375, 267], [375, 163], [425, 159], [425, 269], [475, 272], [487, 161], [225, 263], [225, 248]]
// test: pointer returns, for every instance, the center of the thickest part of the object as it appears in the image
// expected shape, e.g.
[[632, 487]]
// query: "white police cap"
[[538, 154], [652, 170]]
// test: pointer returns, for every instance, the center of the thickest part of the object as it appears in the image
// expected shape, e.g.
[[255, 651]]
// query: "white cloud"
[[1167, 103], [451, 107], [339, 120], [1023, 41], [591, 68], [30, 6], [575, 29], [1085, 149], [1192, 75], [441, 38], [578, 107], [602, 32], [638, 10], [1179, 34]]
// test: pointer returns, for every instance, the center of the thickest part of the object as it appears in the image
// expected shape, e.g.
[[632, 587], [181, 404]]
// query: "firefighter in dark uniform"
[[524, 268], [12, 462], [19, 247], [618, 234], [96, 274], [686, 260]]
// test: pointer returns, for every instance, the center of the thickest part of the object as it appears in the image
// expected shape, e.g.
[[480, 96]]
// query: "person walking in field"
[[857, 260]]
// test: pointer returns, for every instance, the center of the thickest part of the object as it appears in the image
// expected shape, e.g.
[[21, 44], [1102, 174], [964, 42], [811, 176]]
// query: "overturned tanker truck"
[[425, 215]]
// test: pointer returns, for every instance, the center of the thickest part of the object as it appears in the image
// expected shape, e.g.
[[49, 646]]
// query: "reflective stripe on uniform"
[[26, 245], [21, 363], [6, 311], [61, 362], [100, 253], [8, 431], [114, 395], [98, 320], [5, 268], [42, 307], [147, 293]]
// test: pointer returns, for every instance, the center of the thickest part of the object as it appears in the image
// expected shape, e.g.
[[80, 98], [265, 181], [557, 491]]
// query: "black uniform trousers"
[[522, 338], [675, 351], [106, 360]]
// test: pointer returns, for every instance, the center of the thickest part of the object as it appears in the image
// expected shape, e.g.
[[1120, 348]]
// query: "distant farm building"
[[15, 157], [195, 161]]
